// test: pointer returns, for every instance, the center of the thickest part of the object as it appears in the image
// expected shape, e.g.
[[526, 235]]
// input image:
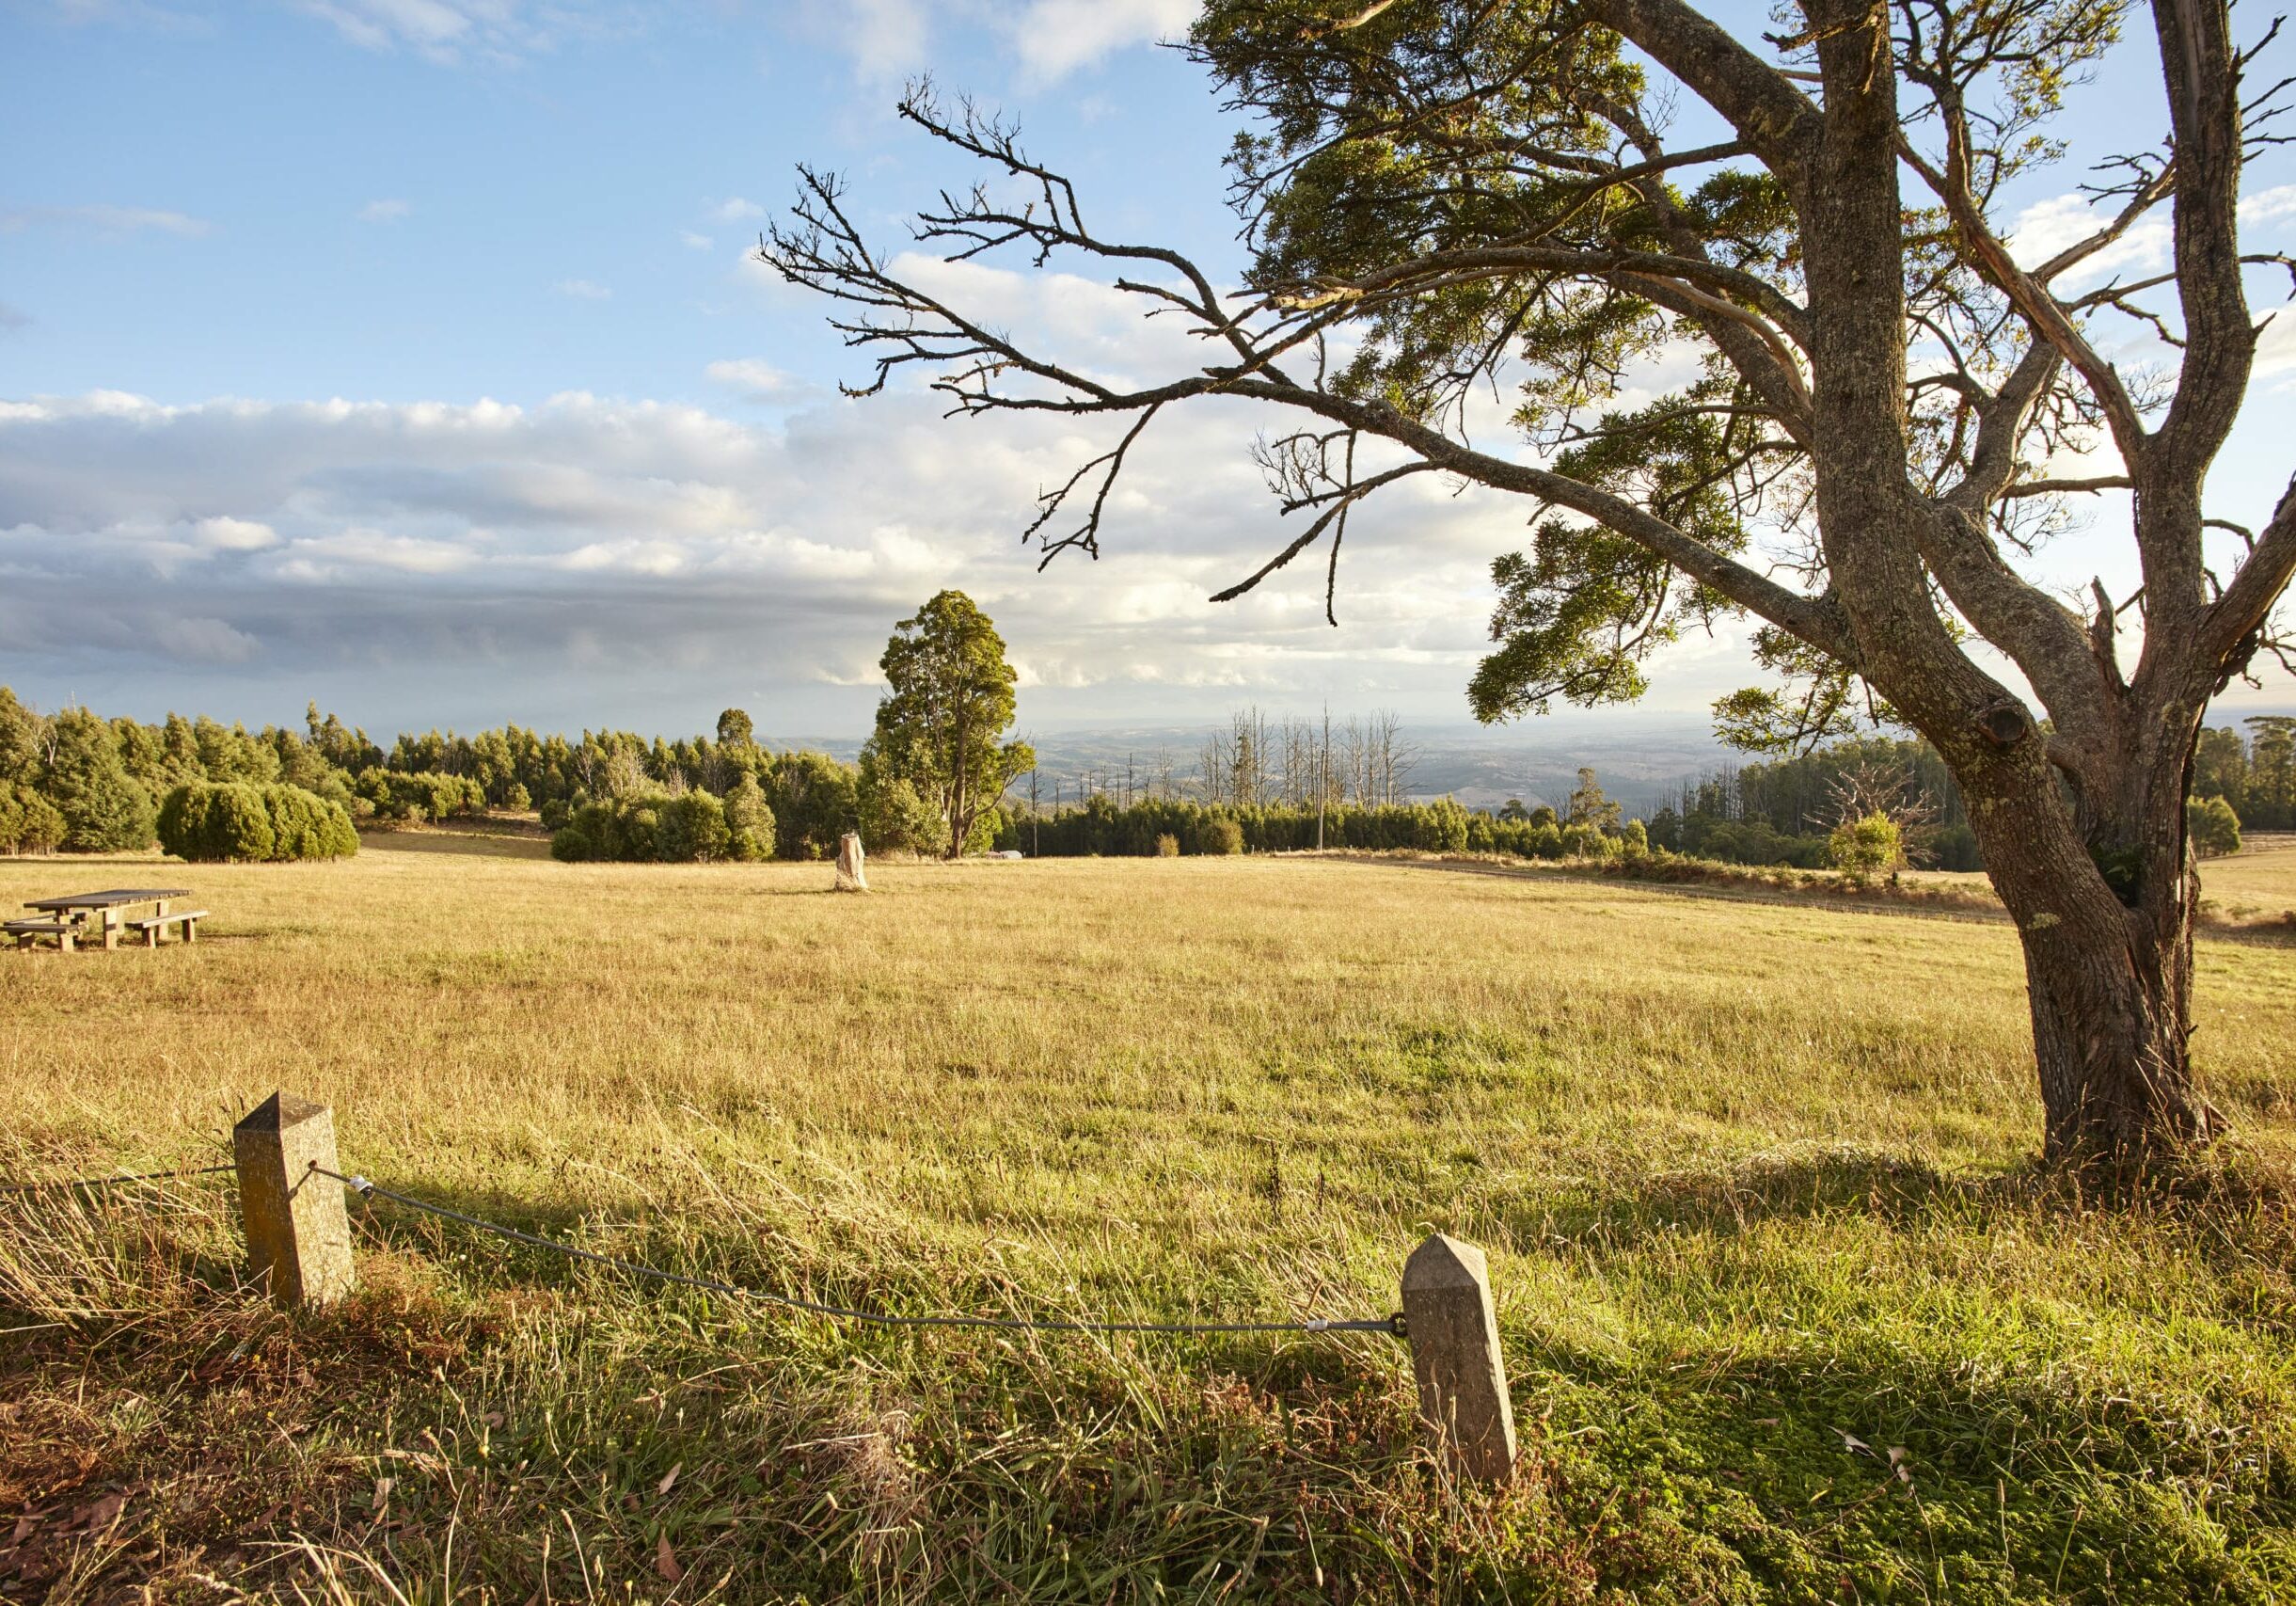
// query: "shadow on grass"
[[1843, 1410]]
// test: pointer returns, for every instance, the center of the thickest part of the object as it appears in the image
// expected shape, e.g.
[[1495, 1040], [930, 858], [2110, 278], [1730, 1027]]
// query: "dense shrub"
[[814, 802], [204, 821], [105, 809], [421, 794], [893, 817], [29, 823], [1101, 827], [1948, 848], [748, 822], [1220, 836], [2214, 827], [691, 826], [1168, 846], [1869, 846]]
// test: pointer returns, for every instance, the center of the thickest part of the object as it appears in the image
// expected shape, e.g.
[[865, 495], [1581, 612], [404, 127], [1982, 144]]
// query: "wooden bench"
[[64, 931], [152, 926]]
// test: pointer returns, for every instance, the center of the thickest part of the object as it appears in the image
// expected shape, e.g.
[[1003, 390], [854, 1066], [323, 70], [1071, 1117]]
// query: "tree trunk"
[[2107, 928]]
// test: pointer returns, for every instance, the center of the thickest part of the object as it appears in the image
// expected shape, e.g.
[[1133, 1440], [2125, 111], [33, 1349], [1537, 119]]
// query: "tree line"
[[2254, 774], [1785, 812]]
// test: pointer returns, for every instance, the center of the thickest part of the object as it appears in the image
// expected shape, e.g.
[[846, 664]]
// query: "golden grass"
[[1736, 1163]]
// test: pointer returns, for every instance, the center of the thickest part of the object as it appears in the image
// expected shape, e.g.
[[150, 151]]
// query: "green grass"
[[1755, 1179]]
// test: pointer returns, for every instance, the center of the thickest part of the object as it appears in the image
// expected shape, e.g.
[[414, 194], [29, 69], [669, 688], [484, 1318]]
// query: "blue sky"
[[402, 354]]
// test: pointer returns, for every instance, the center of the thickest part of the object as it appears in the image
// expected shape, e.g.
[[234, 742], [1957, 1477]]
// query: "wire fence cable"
[[360, 1186]]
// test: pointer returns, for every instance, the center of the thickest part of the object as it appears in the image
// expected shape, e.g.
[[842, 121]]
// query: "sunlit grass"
[[1752, 1177]]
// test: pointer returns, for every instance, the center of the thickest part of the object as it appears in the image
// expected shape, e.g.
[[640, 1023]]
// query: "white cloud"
[[204, 641], [758, 380], [2276, 346], [583, 290], [891, 39], [330, 557], [234, 535], [1055, 37], [695, 242], [2048, 227], [455, 32], [734, 208], [433, 533], [886, 39], [105, 220], [2274, 205], [383, 211]]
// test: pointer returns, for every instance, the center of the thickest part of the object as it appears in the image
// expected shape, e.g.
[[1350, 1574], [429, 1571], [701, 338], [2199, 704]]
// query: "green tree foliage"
[[1867, 846], [2215, 829], [238, 820], [691, 826], [2255, 776], [942, 726], [813, 801], [24, 740], [749, 822], [688, 827], [420, 795], [105, 809], [1590, 806], [893, 817], [734, 729], [1102, 827], [1782, 812], [29, 823]]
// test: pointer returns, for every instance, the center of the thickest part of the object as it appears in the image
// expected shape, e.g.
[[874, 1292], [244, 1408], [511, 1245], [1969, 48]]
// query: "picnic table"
[[75, 908]]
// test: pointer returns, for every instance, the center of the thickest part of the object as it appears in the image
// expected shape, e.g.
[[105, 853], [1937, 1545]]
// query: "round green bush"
[[209, 823]]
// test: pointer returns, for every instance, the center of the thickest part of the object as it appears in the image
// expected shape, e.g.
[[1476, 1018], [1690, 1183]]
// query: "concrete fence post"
[[1464, 1409], [298, 1232]]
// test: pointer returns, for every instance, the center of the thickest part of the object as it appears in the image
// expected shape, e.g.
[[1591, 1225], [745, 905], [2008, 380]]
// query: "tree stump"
[[851, 875]]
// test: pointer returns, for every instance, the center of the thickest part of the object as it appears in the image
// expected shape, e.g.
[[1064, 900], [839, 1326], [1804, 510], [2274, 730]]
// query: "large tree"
[[940, 728], [1452, 201]]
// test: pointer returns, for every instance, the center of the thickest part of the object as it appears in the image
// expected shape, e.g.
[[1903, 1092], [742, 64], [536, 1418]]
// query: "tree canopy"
[[940, 728]]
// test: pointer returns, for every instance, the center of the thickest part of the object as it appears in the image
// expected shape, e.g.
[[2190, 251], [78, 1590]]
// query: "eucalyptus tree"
[[941, 726], [1446, 201]]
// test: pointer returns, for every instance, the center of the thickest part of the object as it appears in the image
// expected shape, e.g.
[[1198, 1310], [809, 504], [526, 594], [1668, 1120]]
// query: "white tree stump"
[[853, 876]]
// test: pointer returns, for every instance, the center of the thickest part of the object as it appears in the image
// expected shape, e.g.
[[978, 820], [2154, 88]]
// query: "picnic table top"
[[110, 899]]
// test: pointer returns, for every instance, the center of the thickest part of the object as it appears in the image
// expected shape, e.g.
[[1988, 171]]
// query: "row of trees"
[[2255, 776], [1787, 811], [1591, 827]]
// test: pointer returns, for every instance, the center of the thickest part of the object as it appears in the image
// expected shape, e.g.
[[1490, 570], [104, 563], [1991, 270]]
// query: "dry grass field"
[[1788, 1314]]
